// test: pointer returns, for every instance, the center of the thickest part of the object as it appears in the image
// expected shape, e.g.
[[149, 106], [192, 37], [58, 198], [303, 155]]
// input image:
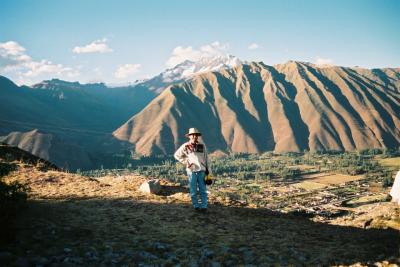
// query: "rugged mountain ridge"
[[288, 107], [71, 104], [67, 122]]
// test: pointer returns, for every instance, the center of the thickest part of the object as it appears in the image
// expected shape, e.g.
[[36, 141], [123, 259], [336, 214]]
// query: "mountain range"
[[80, 116], [239, 106], [254, 108]]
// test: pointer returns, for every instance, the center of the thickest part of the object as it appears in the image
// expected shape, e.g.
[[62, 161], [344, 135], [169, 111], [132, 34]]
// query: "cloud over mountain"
[[253, 46], [181, 54], [126, 70], [323, 61], [14, 58]]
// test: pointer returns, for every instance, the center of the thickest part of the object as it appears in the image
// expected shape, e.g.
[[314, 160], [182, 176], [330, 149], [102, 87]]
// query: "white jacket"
[[194, 156]]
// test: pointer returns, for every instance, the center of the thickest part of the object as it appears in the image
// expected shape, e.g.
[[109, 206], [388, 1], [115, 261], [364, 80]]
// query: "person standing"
[[193, 155]]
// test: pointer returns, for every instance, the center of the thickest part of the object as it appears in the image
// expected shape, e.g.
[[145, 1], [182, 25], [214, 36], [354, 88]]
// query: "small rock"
[[193, 263], [230, 262], [367, 223], [143, 255], [91, 255], [67, 250], [181, 252], [76, 260], [5, 256], [206, 254], [225, 249], [161, 246], [151, 186], [22, 262], [129, 253], [108, 248], [42, 261], [243, 249], [170, 257], [111, 256], [248, 256], [55, 259], [215, 264]]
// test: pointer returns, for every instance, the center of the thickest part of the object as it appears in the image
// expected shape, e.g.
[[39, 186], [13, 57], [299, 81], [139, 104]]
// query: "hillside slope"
[[50, 148], [289, 107]]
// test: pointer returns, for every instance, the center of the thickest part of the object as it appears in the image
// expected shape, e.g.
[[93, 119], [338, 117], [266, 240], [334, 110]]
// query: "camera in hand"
[[199, 148]]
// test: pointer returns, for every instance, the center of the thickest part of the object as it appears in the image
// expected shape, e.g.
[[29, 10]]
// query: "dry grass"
[[390, 162], [323, 180], [302, 167], [335, 179], [309, 185]]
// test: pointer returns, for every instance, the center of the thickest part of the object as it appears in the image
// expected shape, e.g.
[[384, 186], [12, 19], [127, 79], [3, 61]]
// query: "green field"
[[279, 180]]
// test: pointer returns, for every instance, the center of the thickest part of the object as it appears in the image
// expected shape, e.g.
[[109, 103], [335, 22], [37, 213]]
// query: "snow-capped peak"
[[189, 68]]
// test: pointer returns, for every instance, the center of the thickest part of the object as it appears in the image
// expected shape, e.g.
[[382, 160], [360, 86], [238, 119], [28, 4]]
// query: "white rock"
[[151, 186]]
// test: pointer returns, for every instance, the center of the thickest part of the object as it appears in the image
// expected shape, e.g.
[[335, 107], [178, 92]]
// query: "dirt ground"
[[71, 220]]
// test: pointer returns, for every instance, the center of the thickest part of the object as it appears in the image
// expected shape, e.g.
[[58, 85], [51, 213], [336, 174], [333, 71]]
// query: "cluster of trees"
[[352, 163]]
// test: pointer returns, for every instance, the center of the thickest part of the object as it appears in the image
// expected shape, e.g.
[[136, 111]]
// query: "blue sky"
[[121, 41]]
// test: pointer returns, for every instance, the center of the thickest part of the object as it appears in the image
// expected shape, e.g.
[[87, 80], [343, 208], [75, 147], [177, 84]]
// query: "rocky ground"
[[71, 220]]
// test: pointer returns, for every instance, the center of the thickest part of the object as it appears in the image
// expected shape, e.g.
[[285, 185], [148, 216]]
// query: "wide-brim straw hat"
[[193, 131]]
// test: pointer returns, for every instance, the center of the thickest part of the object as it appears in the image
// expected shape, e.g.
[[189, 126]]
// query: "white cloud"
[[15, 60], [323, 61], [126, 70], [214, 49], [36, 68], [12, 48], [180, 53], [253, 46], [12, 55], [98, 46]]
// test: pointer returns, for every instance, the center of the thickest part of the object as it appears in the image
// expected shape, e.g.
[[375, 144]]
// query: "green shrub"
[[12, 197], [11, 194], [387, 180], [6, 168]]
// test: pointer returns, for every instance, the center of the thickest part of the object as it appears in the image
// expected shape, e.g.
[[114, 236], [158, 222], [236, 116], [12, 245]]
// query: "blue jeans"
[[196, 180]]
